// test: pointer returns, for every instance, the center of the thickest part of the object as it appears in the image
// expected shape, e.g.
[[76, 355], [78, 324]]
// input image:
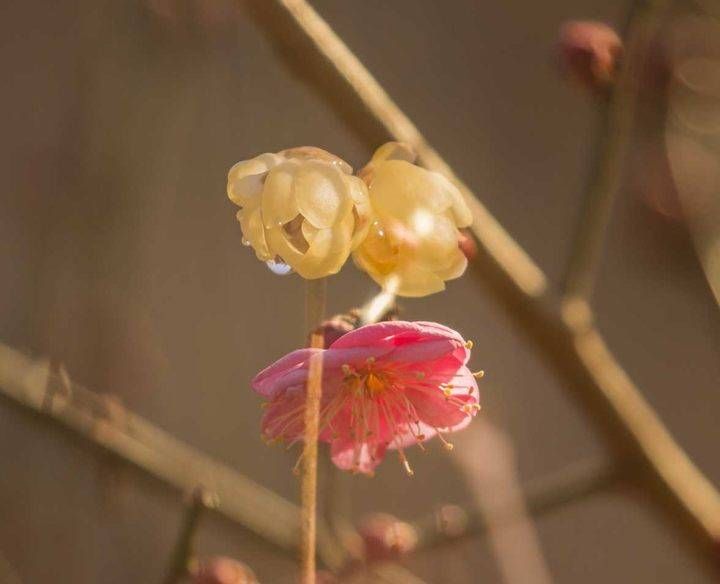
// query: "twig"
[[451, 523], [512, 259], [276, 520], [618, 115], [521, 287], [183, 552]]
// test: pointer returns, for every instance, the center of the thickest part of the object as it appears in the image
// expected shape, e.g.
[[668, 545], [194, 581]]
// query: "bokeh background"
[[120, 256]]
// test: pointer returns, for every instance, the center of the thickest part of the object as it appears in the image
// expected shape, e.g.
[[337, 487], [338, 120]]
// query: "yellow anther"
[[420, 375], [469, 345], [479, 374], [448, 446], [346, 369], [370, 360]]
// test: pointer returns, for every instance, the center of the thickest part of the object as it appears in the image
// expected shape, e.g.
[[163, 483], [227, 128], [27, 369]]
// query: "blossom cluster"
[[384, 386], [303, 207]]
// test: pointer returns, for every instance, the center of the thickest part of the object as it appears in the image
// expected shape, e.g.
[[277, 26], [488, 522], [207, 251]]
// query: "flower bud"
[[467, 244], [222, 570], [589, 52], [335, 327], [385, 537], [301, 206], [412, 246]]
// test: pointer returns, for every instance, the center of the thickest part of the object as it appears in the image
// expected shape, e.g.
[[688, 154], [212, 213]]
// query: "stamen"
[[479, 374], [405, 463], [469, 344], [420, 375], [446, 445], [296, 468]]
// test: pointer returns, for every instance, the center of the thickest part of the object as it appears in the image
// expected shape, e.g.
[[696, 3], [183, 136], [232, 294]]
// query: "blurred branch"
[[183, 552], [134, 439], [617, 117], [487, 462], [451, 523], [567, 339]]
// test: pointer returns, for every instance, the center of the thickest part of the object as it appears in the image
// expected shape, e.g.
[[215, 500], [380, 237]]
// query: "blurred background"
[[120, 257]]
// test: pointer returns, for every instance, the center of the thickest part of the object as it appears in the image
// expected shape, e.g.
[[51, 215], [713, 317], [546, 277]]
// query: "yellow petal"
[[279, 244], [253, 232], [328, 251], [279, 204], [394, 151], [322, 194], [245, 179], [455, 269], [398, 189], [436, 240], [414, 281], [363, 211], [309, 231], [458, 207]]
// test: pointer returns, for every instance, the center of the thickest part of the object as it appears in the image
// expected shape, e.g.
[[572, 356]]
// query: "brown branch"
[[134, 439], [182, 555], [568, 340], [451, 523], [618, 116]]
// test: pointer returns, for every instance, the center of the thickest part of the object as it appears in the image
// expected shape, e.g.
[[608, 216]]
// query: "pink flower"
[[386, 385]]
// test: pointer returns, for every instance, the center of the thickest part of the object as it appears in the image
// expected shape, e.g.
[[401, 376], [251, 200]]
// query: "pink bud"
[[385, 537], [222, 570], [335, 327], [467, 244], [589, 52]]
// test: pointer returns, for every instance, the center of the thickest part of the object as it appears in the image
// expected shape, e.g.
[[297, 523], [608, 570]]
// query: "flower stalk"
[[314, 310]]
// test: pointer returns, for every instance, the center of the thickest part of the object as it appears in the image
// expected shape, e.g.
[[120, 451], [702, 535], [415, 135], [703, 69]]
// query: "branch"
[[451, 523], [618, 116], [29, 382]]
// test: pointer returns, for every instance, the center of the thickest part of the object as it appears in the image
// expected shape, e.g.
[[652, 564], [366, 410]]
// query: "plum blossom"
[[384, 386], [412, 245], [302, 207]]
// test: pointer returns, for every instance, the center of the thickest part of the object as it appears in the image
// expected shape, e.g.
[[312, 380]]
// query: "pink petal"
[[269, 381], [342, 453], [284, 417], [393, 333], [435, 410]]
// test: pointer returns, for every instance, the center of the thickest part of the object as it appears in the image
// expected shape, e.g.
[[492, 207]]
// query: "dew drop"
[[278, 267]]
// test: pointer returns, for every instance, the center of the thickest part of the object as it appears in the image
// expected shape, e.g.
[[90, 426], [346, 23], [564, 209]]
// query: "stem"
[[617, 122], [314, 309]]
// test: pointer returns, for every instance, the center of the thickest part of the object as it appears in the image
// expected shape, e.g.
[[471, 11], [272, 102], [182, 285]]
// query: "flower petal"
[[279, 205], [415, 281], [253, 231], [245, 179], [434, 410], [268, 381], [322, 194], [363, 459], [328, 251], [398, 189]]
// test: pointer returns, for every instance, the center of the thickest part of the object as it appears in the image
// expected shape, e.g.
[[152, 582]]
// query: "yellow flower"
[[301, 206], [412, 246]]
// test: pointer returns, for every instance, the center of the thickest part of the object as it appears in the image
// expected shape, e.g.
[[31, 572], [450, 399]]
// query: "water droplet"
[[278, 267]]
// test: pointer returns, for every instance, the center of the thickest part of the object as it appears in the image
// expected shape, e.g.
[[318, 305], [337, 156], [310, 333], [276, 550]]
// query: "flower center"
[[374, 383]]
